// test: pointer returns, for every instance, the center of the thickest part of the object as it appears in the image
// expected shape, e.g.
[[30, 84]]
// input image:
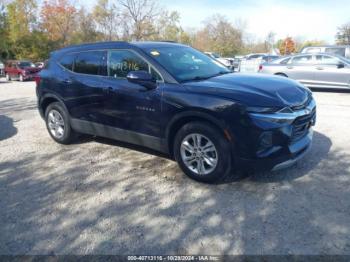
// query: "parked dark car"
[[175, 99], [20, 70]]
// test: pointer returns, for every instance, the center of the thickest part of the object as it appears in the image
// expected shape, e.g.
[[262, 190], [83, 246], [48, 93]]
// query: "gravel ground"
[[102, 197]]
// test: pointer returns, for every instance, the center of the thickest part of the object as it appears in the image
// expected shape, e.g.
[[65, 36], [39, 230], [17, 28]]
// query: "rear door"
[[329, 72], [81, 84], [301, 68]]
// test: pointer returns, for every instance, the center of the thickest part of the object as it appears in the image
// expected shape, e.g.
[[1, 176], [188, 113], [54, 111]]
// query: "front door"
[[301, 68], [130, 106]]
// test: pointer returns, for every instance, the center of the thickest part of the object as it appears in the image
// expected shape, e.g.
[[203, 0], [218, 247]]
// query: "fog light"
[[265, 140]]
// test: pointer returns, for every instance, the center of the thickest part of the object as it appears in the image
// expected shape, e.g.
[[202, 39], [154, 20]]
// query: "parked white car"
[[2, 67], [341, 50], [228, 62]]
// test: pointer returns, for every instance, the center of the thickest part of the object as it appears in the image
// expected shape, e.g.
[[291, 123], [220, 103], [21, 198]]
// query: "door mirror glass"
[[142, 78]]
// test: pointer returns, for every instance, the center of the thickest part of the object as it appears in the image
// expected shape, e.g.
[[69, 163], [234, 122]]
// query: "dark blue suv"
[[175, 99]]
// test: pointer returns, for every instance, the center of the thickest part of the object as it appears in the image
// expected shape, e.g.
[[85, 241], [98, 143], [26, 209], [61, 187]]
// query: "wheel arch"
[[191, 116], [281, 74], [47, 100]]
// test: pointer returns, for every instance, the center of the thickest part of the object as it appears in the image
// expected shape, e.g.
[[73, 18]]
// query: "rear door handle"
[[289, 67], [108, 89], [67, 81], [319, 68]]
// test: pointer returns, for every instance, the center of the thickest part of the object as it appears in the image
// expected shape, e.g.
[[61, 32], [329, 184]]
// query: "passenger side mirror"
[[340, 65], [142, 78]]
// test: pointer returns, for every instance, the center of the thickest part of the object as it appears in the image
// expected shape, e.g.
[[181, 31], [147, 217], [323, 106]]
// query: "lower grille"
[[302, 125]]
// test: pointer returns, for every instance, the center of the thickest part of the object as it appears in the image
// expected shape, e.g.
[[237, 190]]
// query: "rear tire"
[[20, 77], [8, 78], [202, 152], [58, 124]]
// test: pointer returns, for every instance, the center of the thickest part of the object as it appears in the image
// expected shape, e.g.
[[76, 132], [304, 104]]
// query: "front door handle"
[[319, 68], [289, 67]]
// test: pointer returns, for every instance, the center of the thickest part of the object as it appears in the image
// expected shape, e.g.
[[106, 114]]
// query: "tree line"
[[31, 30]]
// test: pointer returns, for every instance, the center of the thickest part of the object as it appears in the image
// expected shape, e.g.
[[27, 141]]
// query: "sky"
[[304, 19]]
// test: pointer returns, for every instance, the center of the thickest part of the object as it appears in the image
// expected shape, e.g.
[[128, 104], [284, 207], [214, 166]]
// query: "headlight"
[[257, 109]]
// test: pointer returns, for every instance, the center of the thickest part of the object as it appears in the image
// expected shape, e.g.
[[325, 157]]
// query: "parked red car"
[[20, 70]]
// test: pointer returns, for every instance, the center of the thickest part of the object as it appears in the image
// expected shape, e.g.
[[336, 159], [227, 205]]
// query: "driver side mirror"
[[142, 78], [340, 65]]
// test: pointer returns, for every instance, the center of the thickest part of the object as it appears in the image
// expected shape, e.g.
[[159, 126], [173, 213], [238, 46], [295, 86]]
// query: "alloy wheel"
[[56, 124], [199, 154]]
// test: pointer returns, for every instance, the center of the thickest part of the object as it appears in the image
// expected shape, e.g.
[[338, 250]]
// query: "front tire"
[[58, 124], [202, 152], [21, 78], [8, 78]]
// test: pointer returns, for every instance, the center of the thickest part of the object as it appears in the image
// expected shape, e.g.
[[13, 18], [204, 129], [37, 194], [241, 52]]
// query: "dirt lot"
[[100, 197]]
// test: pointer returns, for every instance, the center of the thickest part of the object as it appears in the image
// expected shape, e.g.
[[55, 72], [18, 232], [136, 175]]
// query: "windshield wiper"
[[198, 78]]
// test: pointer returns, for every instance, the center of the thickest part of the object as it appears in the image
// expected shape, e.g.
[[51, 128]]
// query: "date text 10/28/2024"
[[173, 258]]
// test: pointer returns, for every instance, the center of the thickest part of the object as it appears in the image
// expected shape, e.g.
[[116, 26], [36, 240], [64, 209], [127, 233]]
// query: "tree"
[[86, 30], [106, 17], [21, 18], [4, 39], [168, 28], [139, 17], [58, 20], [220, 36], [286, 46], [301, 45], [343, 35]]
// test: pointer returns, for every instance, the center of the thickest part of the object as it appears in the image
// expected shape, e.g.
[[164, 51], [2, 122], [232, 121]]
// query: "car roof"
[[151, 44], [115, 44]]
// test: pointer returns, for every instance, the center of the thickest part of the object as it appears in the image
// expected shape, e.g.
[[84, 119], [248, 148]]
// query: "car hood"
[[253, 89]]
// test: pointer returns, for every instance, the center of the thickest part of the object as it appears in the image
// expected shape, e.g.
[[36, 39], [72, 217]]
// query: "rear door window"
[[327, 60], [68, 61], [91, 63], [285, 61]]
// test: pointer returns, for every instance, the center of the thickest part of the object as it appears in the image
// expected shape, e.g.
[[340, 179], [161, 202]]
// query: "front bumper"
[[277, 142], [286, 158], [294, 158]]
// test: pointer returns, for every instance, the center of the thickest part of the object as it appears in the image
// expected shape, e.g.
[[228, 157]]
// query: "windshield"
[[25, 64], [187, 64]]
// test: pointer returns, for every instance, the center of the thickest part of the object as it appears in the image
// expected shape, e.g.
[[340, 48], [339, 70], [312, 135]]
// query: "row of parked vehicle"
[[315, 67], [21, 70]]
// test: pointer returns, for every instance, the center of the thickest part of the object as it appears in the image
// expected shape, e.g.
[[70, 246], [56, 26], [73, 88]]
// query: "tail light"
[[260, 67], [37, 79]]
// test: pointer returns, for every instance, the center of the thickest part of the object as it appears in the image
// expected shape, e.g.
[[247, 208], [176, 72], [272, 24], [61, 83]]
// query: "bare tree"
[[139, 17], [343, 35], [107, 18]]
